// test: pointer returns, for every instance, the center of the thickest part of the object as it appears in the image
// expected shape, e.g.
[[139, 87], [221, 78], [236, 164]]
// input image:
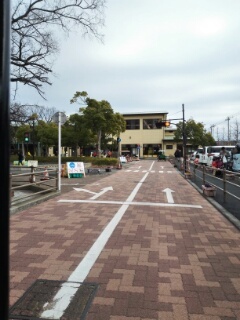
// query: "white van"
[[206, 154], [215, 152], [202, 155]]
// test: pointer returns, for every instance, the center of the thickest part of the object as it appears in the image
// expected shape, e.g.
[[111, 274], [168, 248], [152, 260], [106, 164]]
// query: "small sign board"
[[32, 163], [75, 168], [123, 159]]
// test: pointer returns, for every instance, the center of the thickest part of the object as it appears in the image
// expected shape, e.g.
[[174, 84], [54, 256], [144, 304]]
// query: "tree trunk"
[[99, 143]]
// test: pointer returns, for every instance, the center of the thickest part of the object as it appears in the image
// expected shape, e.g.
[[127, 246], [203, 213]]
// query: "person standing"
[[177, 155], [223, 155], [20, 158]]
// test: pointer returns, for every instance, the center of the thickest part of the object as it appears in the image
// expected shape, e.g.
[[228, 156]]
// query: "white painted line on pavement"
[[169, 196], [56, 308], [151, 204]]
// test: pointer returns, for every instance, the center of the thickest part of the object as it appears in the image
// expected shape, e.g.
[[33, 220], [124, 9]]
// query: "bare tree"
[[33, 44], [21, 114], [236, 132], [18, 114]]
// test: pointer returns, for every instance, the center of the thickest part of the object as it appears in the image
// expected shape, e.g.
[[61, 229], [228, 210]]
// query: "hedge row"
[[54, 160]]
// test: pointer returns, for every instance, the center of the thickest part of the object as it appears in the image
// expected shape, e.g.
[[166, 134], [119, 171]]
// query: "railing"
[[226, 186], [32, 181], [222, 183]]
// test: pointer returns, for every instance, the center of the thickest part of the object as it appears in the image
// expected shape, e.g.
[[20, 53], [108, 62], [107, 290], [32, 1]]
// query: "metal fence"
[[225, 182], [28, 182], [221, 179]]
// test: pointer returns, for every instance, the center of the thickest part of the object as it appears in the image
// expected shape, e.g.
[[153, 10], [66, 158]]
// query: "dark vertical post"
[[33, 139], [184, 142], [5, 156]]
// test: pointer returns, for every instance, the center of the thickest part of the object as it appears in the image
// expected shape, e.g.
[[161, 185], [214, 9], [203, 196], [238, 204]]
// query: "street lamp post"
[[184, 141]]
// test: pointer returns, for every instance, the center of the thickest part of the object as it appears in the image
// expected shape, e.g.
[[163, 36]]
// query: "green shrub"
[[54, 160], [104, 161]]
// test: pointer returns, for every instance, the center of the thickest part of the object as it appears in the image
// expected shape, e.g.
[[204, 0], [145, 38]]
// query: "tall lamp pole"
[[5, 154], [184, 141]]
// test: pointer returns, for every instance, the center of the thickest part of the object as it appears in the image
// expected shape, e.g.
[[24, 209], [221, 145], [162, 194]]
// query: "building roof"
[[150, 113]]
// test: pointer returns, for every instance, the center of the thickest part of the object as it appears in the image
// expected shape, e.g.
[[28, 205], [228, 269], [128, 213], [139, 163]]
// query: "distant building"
[[143, 138]]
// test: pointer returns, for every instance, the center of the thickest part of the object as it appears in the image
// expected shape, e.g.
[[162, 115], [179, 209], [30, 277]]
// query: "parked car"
[[193, 156]]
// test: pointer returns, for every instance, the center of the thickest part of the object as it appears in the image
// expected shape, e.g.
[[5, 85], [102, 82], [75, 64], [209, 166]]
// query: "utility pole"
[[228, 119], [5, 28], [211, 128], [184, 141]]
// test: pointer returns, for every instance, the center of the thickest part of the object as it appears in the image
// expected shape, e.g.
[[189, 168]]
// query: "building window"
[[151, 149], [150, 123], [169, 146], [133, 124]]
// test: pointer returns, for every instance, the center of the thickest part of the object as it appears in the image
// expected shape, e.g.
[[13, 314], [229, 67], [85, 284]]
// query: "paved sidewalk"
[[144, 238]]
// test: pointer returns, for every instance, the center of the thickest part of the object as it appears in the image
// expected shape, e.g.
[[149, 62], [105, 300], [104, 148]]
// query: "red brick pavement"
[[161, 262]]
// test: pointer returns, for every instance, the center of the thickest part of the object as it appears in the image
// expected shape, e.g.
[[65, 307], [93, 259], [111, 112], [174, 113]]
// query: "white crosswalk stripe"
[[153, 171]]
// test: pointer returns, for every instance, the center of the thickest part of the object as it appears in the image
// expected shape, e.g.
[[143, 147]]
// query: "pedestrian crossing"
[[152, 171]]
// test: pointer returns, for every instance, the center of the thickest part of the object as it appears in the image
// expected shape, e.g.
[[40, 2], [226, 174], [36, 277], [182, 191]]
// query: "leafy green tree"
[[99, 117], [47, 134], [196, 134], [75, 133]]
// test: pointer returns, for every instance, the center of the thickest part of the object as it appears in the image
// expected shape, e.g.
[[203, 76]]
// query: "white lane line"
[[56, 308], [129, 203]]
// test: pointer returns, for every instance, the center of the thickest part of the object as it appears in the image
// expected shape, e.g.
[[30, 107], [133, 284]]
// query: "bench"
[[93, 170]]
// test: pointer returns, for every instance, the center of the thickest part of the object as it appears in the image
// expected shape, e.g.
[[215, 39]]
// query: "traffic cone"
[[45, 175], [119, 165]]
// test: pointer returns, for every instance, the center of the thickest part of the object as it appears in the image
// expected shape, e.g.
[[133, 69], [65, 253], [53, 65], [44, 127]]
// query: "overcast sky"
[[156, 56]]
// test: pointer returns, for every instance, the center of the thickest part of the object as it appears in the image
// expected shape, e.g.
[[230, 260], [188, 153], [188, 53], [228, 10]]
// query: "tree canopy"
[[195, 132], [99, 117]]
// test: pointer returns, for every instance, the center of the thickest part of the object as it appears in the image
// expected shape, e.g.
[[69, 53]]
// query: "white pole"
[[59, 151]]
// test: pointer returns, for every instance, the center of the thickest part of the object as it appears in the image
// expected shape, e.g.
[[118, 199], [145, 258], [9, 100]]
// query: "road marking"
[[168, 192], [151, 204], [85, 190], [56, 308], [96, 195], [102, 192], [152, 171]]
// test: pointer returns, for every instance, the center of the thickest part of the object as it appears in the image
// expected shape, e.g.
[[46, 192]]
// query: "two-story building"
[[143, 138]]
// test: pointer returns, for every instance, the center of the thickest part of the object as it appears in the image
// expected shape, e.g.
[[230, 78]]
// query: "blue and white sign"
[[75, 167]]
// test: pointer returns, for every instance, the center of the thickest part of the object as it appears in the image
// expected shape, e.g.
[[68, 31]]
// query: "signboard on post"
[[32, 163], [60, 118], [75, 169]]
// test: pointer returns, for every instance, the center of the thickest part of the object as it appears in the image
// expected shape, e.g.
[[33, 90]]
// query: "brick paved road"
[[155, 253]]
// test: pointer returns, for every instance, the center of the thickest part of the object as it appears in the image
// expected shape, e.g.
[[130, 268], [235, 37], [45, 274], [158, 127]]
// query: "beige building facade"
[[143, 138]]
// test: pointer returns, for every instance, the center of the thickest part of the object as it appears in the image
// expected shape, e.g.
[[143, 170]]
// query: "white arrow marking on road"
[[169, 195], [162, 167], [102, 192], [85, 190]]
